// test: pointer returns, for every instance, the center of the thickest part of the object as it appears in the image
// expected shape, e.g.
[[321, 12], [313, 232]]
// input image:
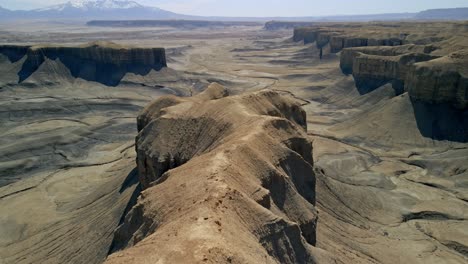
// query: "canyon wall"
[[426, 77], [442, 80], [340, 38], [373, 67], [348, 56], [431, 69], [308, 35], [103, 62]]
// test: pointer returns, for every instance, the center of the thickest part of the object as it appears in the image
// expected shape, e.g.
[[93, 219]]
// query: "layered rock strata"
[[225, 179], [338, 39], [373, 67], [442, 80], [429, 78], [348, 56], [103, 62]]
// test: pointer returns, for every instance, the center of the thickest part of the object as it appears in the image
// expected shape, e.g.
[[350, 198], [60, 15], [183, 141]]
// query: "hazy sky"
[[272, 7]]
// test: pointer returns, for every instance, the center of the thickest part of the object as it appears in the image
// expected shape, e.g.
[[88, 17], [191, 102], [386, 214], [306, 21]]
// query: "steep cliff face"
[[340, 38], [338, 43], [347, 35], [226, 179], [308, 35], [410, 68], [372, 71], [349, 55], [442, 80], [99, 61], [323, 38], [13, 53]]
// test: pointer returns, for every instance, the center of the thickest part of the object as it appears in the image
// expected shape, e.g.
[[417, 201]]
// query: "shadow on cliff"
[[118, 243], [14, 53], [105, 73], [367, 85], [441, 121]]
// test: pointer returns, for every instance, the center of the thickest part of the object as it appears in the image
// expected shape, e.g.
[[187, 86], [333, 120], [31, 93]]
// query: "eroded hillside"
[[226, 179]]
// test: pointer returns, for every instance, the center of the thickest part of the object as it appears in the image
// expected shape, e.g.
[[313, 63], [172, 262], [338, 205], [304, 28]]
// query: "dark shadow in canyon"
[[441, 121], [14, 53], [105, 73], [131, 180], [367, 85]]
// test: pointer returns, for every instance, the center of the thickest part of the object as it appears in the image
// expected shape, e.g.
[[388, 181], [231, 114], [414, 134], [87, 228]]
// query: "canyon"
[[326, 143]]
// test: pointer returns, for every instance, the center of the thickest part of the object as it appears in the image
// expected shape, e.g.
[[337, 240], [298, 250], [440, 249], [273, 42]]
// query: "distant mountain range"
[[444, 14], [131, 10], [93, 9]]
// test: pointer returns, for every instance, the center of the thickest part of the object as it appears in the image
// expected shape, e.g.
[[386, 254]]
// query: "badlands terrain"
[[326, 143]]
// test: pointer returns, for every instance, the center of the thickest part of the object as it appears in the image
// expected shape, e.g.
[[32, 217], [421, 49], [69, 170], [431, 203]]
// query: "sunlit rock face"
[[339, 38], [426, 77], [442, 80], [238, 168]]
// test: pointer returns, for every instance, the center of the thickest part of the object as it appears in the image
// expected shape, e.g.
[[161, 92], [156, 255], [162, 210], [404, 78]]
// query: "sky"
[[263, 8]]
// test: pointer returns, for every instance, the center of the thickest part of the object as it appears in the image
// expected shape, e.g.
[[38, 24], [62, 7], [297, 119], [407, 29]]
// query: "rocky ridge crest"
[[232, 176]]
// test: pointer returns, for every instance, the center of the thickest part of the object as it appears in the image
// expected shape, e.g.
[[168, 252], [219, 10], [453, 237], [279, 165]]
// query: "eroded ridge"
[[226, 179]]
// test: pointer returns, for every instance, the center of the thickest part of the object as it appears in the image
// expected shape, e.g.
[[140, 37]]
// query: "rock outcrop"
[[338, 43], [225, 179], [348, 56], [429, 64], [103, 62], [410, 68], [442, 80], [339, 38], [306, 34], [339, 35], [373, 67]]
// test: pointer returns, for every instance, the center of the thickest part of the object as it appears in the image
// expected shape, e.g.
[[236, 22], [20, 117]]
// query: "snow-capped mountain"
[[96, 9], [86, 5], [5, 13], [3, 10], [84, 10]]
